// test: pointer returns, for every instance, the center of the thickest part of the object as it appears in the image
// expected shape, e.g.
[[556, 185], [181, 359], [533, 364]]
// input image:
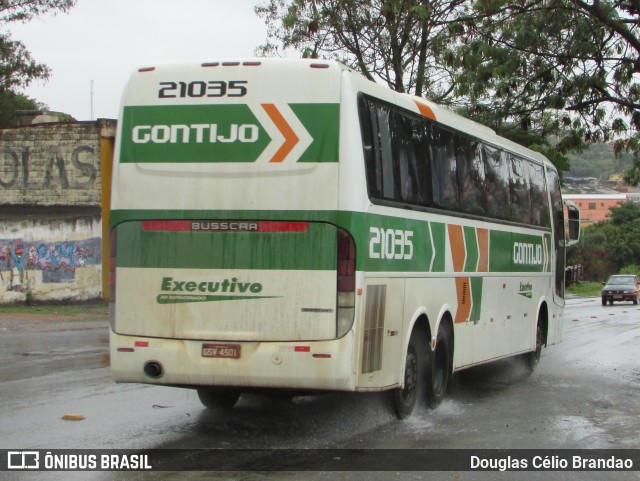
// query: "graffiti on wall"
[[58, 261]]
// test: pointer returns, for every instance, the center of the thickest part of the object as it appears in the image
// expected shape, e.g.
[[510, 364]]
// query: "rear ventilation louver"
[[373, 328]]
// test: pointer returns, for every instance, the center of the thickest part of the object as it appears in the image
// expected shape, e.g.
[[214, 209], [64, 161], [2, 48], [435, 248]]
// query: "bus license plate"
[[231, 351]]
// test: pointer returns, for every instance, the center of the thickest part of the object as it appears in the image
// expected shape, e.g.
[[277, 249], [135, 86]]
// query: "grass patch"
[[90, 309], [585, 289]]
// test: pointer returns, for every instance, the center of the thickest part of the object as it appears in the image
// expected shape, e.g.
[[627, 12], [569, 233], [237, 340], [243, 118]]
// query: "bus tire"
[[533, 358], [403, 400], [221, 400], [439, 370]]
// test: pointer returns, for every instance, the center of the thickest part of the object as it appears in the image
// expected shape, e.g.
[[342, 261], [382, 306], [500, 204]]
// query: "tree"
[[606, 247], [408, 44], [10, 103], [17, 68], [553, 67], [395, 41], [554, 75]]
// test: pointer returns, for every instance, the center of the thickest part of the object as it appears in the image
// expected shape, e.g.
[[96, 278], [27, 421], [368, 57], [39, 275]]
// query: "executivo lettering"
[[225, 286], [178, 291]]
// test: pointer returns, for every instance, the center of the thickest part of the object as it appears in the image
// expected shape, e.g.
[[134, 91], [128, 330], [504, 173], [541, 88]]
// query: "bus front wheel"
[[439, 371], [214, 399], [403, 400]]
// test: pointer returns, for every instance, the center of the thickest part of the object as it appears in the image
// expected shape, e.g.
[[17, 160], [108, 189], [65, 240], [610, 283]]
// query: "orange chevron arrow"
[[425, 110], [459, 254], [290, 137]]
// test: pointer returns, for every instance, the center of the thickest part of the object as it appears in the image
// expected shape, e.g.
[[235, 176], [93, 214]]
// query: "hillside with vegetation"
[[598, 161]]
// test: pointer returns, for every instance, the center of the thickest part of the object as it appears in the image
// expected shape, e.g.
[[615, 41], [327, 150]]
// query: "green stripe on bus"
[[191, 134], [513, 252], [225, 133], [438, 231], [476, 298], [471, 244], [322, 121], [311, 250], [397, 244]]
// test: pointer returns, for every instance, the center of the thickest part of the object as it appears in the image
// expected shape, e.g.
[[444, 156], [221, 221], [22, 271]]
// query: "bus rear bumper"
[[318, 365]]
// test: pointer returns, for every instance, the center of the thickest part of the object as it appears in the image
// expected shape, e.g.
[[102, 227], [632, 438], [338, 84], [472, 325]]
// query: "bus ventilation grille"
[[373, 328], [465, 288]]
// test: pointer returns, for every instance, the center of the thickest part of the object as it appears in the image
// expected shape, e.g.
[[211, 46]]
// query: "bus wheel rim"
[[410, 377]]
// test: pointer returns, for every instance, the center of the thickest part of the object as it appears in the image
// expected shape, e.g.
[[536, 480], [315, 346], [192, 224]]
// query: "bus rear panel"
[[229, 266]]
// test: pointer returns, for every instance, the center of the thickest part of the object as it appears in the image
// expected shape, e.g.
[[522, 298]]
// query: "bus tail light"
[[346, 283]]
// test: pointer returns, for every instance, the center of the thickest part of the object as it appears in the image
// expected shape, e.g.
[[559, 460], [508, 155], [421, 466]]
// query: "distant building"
[[596, 207], [34, 117]]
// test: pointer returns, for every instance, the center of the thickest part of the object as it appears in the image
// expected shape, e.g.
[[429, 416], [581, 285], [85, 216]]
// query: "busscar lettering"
[[225, 226]]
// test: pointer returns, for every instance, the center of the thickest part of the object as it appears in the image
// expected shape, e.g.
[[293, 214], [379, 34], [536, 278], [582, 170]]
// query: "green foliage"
[[585, 289], [632, 269], [17, 68], [396, 41], [532, 69], [607, 247], [599, 160], [67, 118], [557, 67], [10, 103]]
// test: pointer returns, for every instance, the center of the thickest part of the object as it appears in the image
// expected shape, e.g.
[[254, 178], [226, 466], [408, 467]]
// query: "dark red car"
[[623, 287]]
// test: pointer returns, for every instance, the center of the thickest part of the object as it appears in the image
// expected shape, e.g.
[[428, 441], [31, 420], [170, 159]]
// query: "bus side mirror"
[[573, 212]]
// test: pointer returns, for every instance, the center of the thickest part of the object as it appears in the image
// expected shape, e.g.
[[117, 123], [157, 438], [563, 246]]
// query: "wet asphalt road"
[[584, 394]]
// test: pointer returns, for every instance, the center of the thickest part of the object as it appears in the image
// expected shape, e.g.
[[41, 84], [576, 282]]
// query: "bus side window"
[[383, 151], [410, 146], [520, 190], [471, 177], [539, 198], [557, 213], [498, 195], [376, 143], [444, 182], [366, 129]]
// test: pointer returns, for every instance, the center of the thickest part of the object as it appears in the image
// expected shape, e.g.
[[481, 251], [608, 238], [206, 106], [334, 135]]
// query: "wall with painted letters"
[[50, 211]]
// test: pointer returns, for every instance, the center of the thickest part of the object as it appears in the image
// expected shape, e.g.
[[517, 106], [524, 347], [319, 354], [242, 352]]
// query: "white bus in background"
[[288, 225]]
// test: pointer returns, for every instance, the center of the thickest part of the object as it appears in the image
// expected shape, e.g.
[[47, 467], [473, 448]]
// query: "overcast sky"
[[105, 40]]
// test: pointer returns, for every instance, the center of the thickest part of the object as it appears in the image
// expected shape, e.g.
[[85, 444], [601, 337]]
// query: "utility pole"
[[91, 95]]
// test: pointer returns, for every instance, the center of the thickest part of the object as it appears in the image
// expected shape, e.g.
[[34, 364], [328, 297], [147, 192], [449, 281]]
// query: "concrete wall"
[[50, 210], [51, 259]]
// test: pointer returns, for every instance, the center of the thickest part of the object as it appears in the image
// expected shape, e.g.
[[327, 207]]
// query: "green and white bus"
[[288, 225]]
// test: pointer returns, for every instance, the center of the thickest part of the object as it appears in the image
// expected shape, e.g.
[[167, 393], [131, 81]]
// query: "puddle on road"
[[578, 430]]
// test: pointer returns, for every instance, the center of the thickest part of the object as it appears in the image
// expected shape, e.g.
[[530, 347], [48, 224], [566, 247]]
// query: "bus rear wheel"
[[403, 400], [533, 358], [439, 371], [215, 399]]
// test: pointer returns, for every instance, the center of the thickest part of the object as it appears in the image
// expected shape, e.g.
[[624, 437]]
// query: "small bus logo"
[[23, 460]]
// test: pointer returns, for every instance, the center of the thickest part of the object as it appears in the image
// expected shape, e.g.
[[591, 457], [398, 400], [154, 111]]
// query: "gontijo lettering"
[[197, 133], [530, 254]]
